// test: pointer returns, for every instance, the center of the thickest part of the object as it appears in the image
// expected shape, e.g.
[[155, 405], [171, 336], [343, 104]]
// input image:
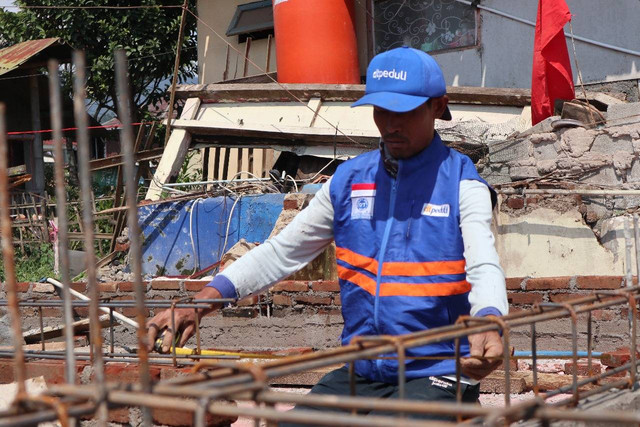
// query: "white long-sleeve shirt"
[[312, 230]]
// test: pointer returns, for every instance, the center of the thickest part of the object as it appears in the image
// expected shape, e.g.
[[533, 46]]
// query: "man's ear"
[[439, 105]]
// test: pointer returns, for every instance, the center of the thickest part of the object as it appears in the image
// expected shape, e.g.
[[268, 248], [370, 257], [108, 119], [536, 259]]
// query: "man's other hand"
[[487, 345], [185, 322]]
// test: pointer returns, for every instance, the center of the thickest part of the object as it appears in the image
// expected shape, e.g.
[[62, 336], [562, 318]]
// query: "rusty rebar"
[[55, 102], [86, 195], [8, 258], [135, 251]]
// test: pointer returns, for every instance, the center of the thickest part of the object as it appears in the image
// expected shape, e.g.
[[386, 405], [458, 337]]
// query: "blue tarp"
[[168, 230]]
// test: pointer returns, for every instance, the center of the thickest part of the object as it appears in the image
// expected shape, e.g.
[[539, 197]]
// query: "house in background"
[[487, 43], [24, 89]]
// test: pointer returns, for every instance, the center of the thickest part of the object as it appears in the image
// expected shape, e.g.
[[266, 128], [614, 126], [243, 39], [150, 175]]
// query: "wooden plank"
[[245, 167], [34, 336], [258, 156], [174, 152], [268, 64], [274, 92], [234, 164], [245, 67]]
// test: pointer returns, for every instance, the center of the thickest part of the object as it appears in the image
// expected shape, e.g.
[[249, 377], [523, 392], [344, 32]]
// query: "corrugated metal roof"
[[13, 56]]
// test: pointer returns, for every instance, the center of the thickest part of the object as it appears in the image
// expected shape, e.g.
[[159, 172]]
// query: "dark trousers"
[[429, 389]]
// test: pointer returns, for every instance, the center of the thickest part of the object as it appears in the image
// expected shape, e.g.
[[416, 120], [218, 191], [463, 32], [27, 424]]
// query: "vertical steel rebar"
[[8, 257], [111, 331], [55, 101], [135, 251], [82, 135]]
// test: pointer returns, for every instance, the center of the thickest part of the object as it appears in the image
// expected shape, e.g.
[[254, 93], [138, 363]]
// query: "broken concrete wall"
[[551, 235]]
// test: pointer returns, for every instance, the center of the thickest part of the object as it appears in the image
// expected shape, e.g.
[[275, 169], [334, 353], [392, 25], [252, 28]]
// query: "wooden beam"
[[117, 160], [174, 152], [285, 134], [273, 92]]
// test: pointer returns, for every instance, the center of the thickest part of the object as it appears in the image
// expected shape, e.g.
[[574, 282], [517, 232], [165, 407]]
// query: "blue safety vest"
[[399, 251]]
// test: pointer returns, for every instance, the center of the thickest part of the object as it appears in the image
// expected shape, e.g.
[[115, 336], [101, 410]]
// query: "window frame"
[[371, 30], [235, 30]]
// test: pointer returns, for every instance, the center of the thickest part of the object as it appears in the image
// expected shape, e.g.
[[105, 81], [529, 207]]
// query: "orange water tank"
[[316, 41]]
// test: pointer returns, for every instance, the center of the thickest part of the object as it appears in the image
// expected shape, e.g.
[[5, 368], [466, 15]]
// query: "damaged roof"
[[12, 57]]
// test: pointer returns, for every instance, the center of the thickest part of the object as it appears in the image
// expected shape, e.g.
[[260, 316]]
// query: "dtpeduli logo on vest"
[[436, 210], [390, 74], [362, 200]]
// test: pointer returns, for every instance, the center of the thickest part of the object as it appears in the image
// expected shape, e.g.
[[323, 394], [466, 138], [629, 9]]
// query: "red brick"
[[618, 375], [166, 285], [515, 202], [132, 312], [563, 296], [532, 200], [545, 283], [20, 286], [330, 311], [173, 418], [325, 286], [337, 300], [168, 372], [599, 282], [6, 371], [513, 283], [250, 300], [583, 369], [616, 358], [79, 286], [127, 373], [53, 372], [313, 300], [127, 287], [120, 415], [291, 286], [108, 287], [122, 247], [605, 314], [195, 285], [52, 312], [289, 204], [524, 297], [282, 300]]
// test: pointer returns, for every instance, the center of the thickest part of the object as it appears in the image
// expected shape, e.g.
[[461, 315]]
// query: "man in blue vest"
[[411, 223]]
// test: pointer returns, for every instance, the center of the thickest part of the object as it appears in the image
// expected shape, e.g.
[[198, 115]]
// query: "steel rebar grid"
[[61, 212], [236, 386], [82, 135]]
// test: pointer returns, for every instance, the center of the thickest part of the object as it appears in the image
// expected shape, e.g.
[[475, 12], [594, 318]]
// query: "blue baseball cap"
[[403, 79]]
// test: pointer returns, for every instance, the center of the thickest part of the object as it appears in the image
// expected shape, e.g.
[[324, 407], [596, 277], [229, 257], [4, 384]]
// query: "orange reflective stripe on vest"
[[430, 268], [404, 289]]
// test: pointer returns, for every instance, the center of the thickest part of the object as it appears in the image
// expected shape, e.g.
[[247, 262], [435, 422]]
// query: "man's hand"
[[185, 321], [483, 346]]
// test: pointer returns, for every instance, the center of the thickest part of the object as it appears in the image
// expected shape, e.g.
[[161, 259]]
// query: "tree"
[[147, 34]]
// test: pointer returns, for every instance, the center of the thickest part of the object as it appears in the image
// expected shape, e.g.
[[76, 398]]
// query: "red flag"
[[552, 78]]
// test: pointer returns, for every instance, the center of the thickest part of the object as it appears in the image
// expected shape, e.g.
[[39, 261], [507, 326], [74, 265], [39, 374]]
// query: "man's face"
[[406, 134]]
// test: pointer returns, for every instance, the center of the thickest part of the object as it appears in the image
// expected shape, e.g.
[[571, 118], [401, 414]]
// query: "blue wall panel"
[[171, 231]]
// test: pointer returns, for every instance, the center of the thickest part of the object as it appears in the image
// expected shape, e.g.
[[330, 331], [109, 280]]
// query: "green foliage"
[[32, 264], [148, 36], [187, 172]]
